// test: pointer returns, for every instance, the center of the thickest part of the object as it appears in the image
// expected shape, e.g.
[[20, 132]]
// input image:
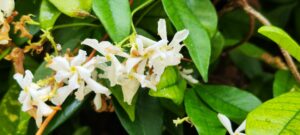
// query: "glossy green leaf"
[[48, 14], [280, 37], [203, 118], [149, 116], [198, 42], [69, 107], [115, 16], [278, 116], [217, 44], [171, 86], [73, 8], [206, 13], [251, 50], [129, 109], [10, 108], [230, 101], [283, 83], [12, 118]]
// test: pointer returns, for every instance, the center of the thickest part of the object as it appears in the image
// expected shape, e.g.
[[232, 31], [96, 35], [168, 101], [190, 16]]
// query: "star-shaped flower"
[[33, 96], [77, 73]]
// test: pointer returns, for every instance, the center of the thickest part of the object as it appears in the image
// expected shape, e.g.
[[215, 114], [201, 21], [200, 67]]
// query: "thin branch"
[[47, 120], [247, 37], [289, 60]]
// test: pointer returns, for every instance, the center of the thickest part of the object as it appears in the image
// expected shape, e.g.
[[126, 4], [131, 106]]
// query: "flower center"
[[73, 69]]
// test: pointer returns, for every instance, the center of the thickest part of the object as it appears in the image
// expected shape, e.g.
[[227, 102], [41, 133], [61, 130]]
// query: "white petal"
[[140, 46], [93, 43], [38, 118], [96, 87], [141, 67], [226, 123], [83, 72], [59, 63], [97, 101], [1, 22], [19, 78], [129, 89], [179, 37], [25, 99], [80, 93], [189, 78], [242, 127], [62, 75], [44, 108], [146, 41], [156, 46], [62, 94], [43, 92], [73, 82], [90, 65], [7, 6], [144, 82], [28, 77], [162, 29], [131, 62], [79, 59]]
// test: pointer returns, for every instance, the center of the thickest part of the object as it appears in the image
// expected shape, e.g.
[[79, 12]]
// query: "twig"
[[247, 37], [47, 120], [265, 21]]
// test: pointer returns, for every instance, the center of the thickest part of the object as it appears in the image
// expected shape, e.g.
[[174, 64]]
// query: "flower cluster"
[[142, 66]]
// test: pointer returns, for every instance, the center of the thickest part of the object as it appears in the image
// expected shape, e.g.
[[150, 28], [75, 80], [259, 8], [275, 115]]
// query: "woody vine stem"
[[262, 19]]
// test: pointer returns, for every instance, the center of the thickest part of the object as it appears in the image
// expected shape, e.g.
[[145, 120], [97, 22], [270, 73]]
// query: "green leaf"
[[283, 83], [69, 107], [73, 8], [206, 14], [129, 109], [230, 101], [48, 14], [217, 44], [115, 16], [277, 116], [280, 37], [204, 119], [171, 86], [198, 42], [10, 108], [149, 116], [13, 120], [251, 50]]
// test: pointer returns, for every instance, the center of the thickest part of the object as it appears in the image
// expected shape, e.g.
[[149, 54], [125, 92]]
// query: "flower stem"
[[137, 9], [262, 19], [74, 25], [48, 119]]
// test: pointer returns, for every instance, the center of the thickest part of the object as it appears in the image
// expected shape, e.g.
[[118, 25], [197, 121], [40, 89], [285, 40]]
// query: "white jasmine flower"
[[186, 74], [227, 124], [77, 73], [161, 54], [32, 96]]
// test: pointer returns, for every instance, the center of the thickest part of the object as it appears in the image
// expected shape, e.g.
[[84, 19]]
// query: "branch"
[[265, 21]]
